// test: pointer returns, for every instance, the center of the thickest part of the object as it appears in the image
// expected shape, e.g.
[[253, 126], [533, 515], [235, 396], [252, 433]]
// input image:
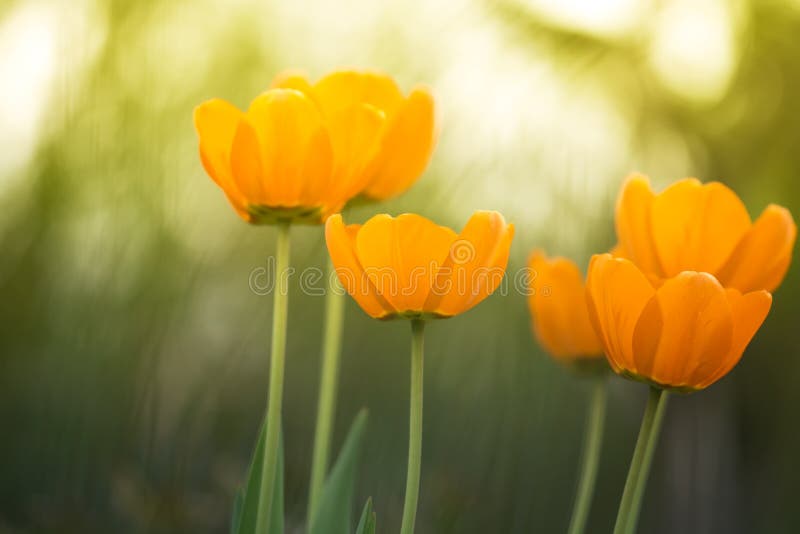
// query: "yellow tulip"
[[408, 136], [559, 310], [686, 289], [684, 334], [692, 226], [299, 154], [410, 267]]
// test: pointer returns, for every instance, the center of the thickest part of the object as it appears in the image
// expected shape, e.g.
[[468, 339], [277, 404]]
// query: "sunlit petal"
[[292, 79], [475, 264], [356, 136], [341, 246], [633, 214], [246, 164], [748, 313], [401, 255], [286, 122], [216, 122], [687, 326], [617, 292], [342, 89], [763, 255], [407, 147], [696, 227], [559, 310]]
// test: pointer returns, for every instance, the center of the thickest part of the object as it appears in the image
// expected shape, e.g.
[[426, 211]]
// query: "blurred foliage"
[[133, 354]]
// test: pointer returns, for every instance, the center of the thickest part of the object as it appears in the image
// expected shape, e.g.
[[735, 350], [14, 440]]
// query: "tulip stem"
[[415, 427], [631, 503], [280, 304], [592, 443], [326, 407]]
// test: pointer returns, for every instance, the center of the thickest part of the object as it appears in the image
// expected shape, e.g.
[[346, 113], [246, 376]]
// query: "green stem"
[[326, 408], [593, 440], [631, 503], [415, 427], [280, 304]]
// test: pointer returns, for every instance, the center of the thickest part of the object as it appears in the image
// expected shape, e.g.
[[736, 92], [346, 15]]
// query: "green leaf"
[[334, 514], [276, 523], [238, 505], [245, 508], [367, 523]]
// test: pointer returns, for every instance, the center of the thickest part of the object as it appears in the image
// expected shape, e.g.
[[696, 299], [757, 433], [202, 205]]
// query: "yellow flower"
[[294, 157], [703, 227], [685, 334], [408, 136], [410, 267], [559, 311]]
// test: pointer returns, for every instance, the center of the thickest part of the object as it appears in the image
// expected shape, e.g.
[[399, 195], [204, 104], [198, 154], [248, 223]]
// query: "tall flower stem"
[[280, 305], [592, 443], [414, 427], [326, 407], [628, 515]]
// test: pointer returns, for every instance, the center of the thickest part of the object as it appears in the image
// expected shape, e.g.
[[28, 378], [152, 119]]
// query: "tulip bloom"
[[299, 153], [559, 311], [686, 245], [685, 334], [686, 293], [407, 137], [410, 267], [706, 228]]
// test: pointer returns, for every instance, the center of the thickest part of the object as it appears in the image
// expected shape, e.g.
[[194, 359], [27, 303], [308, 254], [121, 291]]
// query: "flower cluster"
[[682, 294], [674, 304]]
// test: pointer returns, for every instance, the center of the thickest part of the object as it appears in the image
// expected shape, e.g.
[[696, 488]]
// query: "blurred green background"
[[133, 354]]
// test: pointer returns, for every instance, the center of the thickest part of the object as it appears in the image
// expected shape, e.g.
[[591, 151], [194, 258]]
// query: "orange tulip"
[[298, 155], [559, 311], [407, 137], [703, 227], [410, 267], [685, 334]]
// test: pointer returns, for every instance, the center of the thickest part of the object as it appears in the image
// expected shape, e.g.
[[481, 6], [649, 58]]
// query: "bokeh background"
[[133, 353]]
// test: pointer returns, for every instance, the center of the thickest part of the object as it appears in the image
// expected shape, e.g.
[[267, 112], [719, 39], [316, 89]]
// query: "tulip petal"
[[292, 79], [407, 147], [342, 89], [401, 255], [762, 257], [685, 328], [355, 133], [475, 265], [246, 164], [696, 227], [317, 173], [617, 292], [748, 312], [289, 127], [216, 122], [341, 241], [633, 214], [559, 310]]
